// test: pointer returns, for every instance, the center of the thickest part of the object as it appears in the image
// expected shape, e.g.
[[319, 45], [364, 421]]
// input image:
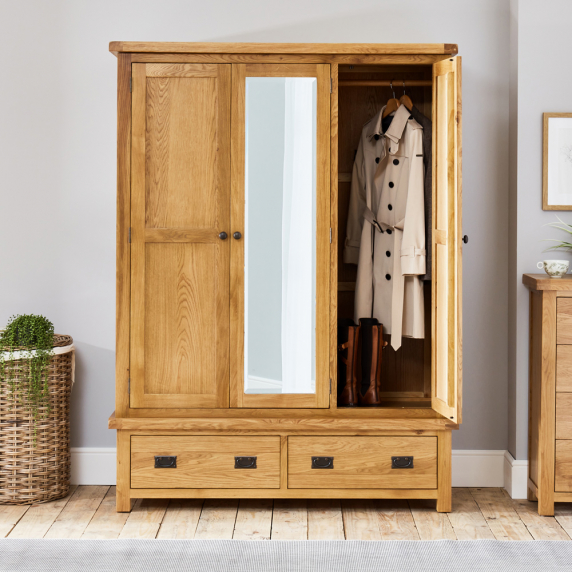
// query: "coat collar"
[[395, 130]]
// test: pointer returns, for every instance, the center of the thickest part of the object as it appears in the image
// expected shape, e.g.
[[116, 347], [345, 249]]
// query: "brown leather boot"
[[372, 345], [348, 338]]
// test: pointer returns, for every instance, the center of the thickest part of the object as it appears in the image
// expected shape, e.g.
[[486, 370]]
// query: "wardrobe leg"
[[123, 471], [444, 491]]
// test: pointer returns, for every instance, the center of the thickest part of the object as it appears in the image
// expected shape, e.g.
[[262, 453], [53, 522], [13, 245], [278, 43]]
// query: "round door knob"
[[237, 235], [223, 236], [465, 239]]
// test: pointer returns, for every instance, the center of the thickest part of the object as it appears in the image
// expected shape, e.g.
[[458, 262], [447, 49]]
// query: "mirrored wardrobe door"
[[280, 235]]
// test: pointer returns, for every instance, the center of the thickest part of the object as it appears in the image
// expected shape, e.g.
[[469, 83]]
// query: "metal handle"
[[322, 462], [223, 236], [401, 462], [166, 462], [237, 235], [465, 239], [245, 462]]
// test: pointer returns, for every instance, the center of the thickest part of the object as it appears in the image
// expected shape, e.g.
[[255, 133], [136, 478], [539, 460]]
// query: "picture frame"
[[557, 162]]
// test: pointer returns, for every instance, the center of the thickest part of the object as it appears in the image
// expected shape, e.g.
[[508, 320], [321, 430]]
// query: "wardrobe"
[[233, 179]]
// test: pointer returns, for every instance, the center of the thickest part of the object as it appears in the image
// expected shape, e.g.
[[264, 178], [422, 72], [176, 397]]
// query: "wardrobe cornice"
[[277, 48]]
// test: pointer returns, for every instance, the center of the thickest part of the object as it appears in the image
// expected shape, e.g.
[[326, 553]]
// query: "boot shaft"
[[371, 346], [348, 343]]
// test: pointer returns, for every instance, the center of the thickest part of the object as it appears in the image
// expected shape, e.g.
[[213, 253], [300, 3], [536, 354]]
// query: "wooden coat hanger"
[[405, 99], [393, 104]]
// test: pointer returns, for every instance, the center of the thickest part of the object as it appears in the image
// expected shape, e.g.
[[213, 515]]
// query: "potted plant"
[[557, 268], [36, 375]]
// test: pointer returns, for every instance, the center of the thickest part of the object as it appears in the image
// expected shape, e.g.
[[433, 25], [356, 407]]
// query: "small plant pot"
[[35, 452]]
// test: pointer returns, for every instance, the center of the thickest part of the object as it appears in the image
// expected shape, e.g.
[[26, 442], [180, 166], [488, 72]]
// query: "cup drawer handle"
[[322, 462], [401, 462], [169, 462], [245, 462]]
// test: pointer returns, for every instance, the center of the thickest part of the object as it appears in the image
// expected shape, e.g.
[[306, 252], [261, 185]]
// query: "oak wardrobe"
[[234, 172]]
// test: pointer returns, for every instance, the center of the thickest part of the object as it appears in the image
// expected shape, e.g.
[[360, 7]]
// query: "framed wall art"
[[557, 162]]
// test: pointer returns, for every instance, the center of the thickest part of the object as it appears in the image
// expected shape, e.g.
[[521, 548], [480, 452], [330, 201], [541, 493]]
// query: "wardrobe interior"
[[406, 373]]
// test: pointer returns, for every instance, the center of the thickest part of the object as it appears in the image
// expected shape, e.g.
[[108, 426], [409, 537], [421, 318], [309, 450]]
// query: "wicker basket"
[[35, 468]]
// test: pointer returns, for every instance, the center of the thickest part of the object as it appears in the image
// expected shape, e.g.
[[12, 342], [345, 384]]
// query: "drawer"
[[564, 321], [204, 462], [563, 466], [361, 462], [564, 416], [564, 368]]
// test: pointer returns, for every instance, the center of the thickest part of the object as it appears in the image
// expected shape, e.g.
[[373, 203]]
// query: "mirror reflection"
[[280, 235]]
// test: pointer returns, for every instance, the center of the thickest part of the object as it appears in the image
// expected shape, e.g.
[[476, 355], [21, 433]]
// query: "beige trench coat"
[[386, 226]]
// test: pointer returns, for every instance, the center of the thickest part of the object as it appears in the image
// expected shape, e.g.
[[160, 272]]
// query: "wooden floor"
[[89, 512]]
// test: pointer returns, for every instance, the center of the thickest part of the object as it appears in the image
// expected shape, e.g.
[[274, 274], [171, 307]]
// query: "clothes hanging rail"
[[385, 83]]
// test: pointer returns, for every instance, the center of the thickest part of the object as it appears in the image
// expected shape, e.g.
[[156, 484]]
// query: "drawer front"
[[564, 368], [563, 467], [564, 416], [205, 462], [564, 321], [362, 462]]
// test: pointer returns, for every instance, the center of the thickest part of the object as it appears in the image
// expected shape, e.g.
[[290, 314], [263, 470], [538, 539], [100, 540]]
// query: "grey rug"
[[278, 556]]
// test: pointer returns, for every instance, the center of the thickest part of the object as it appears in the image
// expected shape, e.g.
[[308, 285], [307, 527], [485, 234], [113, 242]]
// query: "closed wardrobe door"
[[180, 211]]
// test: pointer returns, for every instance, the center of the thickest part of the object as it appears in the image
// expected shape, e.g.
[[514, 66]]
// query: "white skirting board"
[[96, 466], [515, 476]]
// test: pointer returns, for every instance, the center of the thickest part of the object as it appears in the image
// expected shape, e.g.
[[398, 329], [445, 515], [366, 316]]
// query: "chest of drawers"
[[550, 399]]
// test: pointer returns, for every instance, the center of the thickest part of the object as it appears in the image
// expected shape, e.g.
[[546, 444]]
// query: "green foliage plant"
[[561, 245], [33, 337]]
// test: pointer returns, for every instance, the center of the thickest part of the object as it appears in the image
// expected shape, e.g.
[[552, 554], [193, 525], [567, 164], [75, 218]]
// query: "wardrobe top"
[[262, 48]]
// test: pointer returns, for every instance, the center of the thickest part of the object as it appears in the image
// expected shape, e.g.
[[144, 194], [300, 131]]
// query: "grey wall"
[[541, 71], [57, 159]]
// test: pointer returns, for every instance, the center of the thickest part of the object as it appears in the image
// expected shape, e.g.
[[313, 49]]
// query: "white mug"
[[554, 268]]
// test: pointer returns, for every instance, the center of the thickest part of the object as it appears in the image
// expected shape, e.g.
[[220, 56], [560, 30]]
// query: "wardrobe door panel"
[[180, 203], [280, 262], [446, 292]]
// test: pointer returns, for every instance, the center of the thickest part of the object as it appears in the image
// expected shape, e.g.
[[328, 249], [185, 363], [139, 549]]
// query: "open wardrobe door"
[[446, 301]]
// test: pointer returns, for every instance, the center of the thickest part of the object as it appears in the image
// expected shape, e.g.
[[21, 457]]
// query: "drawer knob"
[[245, 462], [166, 462], [322, 462], [401, 462]]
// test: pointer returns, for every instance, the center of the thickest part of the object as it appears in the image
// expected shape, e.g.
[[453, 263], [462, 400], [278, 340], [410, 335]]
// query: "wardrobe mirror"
[[280, 235]]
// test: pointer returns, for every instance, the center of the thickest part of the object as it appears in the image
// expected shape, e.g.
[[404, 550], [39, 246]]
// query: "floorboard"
[[478, 513], [217, 519], [181, 519], [290, 520], [360, 520], [253, 520], [503, 520], [10, 515], [325, 520], [395, 520], [467, 519], [106, 523], [40, 517], [145, 519], [430, 524]]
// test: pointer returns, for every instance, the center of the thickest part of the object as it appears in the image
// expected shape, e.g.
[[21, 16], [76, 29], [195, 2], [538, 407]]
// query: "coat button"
[[396, 161], [391, 185], [389, 150], [411, 117], [387, 253], [388, 276], [389, 207], [377, 159], [388, 231], [376, 136]]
